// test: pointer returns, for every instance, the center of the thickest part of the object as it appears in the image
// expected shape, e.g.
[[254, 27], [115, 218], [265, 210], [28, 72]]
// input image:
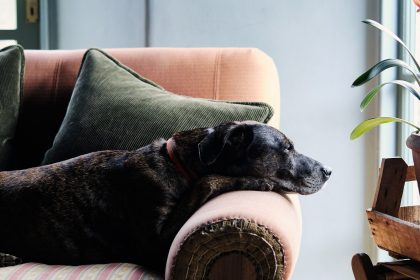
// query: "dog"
[[127, 206]]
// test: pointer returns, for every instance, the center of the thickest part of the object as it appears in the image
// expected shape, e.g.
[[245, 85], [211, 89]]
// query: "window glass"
[[416, 102], [8, 17], [5, 43]]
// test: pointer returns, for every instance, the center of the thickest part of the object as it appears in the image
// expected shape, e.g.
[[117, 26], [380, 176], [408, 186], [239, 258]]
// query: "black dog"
[[127, 206]]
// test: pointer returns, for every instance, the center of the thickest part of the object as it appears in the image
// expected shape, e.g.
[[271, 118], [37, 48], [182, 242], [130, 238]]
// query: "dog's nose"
[[326, 171]]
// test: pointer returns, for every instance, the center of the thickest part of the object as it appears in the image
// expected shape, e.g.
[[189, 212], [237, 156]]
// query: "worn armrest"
[[262, 227]]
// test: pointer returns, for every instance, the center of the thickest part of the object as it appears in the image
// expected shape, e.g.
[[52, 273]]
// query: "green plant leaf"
[[395, 37], [381, 66], [367, 125], [414, 89]]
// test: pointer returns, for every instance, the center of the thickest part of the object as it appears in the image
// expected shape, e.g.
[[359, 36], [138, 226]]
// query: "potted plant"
[[413, 141]]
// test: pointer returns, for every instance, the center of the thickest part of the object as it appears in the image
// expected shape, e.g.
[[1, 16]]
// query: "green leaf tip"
[[392, 35], [381, 66], [367, 125], [412, 88]]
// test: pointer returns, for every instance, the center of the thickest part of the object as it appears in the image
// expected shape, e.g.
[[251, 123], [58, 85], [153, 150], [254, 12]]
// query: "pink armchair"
[[238, 235]]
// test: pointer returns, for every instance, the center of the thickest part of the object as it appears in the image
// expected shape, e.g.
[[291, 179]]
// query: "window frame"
[[399, 16]]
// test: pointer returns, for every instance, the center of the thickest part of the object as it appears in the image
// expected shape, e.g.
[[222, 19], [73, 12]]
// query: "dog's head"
[[254, 149]]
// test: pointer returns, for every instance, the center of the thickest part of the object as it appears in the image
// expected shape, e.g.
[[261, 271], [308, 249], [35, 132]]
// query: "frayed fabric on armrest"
[[264, 226]]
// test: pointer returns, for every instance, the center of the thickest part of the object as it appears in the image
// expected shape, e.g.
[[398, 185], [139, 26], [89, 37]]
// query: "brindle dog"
[[127, 206]]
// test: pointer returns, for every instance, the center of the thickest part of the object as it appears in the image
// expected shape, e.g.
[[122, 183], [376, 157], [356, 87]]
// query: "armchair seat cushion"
[[113, 271]]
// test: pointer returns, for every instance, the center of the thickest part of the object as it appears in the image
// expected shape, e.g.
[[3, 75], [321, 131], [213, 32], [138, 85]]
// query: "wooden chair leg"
[[362, 267]]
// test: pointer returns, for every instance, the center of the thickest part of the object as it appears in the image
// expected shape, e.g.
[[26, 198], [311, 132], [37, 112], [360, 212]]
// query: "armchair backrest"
[[243, 74]]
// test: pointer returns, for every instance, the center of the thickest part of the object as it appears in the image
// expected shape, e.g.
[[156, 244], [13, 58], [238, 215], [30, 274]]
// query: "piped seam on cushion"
[[56, 80], [132, 72], [216, 79]]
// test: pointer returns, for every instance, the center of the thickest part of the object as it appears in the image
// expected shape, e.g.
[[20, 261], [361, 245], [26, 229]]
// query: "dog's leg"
[[206, 188], [212, 186]]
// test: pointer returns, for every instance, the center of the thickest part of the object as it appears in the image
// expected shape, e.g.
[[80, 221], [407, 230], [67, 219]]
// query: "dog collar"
[[179, 166]]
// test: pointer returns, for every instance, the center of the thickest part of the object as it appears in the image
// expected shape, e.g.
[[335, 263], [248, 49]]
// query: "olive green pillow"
[[12, 62], [112, 107]]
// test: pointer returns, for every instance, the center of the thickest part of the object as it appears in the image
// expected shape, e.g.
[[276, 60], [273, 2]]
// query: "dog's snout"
[[326, 171]]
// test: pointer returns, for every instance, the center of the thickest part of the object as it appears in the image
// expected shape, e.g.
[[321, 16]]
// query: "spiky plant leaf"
[[367, 125], [394, 36], [414, 89], [381, 66]]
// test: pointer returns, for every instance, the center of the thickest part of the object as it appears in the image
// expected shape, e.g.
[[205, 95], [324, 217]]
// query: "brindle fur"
[[127, 206]]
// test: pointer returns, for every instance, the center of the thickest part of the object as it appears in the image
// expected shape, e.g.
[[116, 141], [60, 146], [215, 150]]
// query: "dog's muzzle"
[[326, 171]]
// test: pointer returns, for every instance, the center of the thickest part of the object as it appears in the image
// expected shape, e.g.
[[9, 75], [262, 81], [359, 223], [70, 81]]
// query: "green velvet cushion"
[[112, 107], [11, 80]]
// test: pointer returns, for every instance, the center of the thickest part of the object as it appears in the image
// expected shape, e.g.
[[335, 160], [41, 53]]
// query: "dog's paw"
[[9, 260], [266, 184]]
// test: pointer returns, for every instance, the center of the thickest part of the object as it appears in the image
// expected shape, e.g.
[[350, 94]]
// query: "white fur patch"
[[210, 130]]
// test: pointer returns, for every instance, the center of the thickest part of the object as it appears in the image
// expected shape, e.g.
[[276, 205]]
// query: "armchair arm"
[[258, 233]]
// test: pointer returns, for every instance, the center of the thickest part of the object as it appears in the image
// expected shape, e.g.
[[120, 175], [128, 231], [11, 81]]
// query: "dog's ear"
[[239, 137], [211, 147]]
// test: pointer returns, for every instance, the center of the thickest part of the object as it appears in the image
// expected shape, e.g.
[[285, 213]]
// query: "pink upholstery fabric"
[[280, 214], [113, 271]]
